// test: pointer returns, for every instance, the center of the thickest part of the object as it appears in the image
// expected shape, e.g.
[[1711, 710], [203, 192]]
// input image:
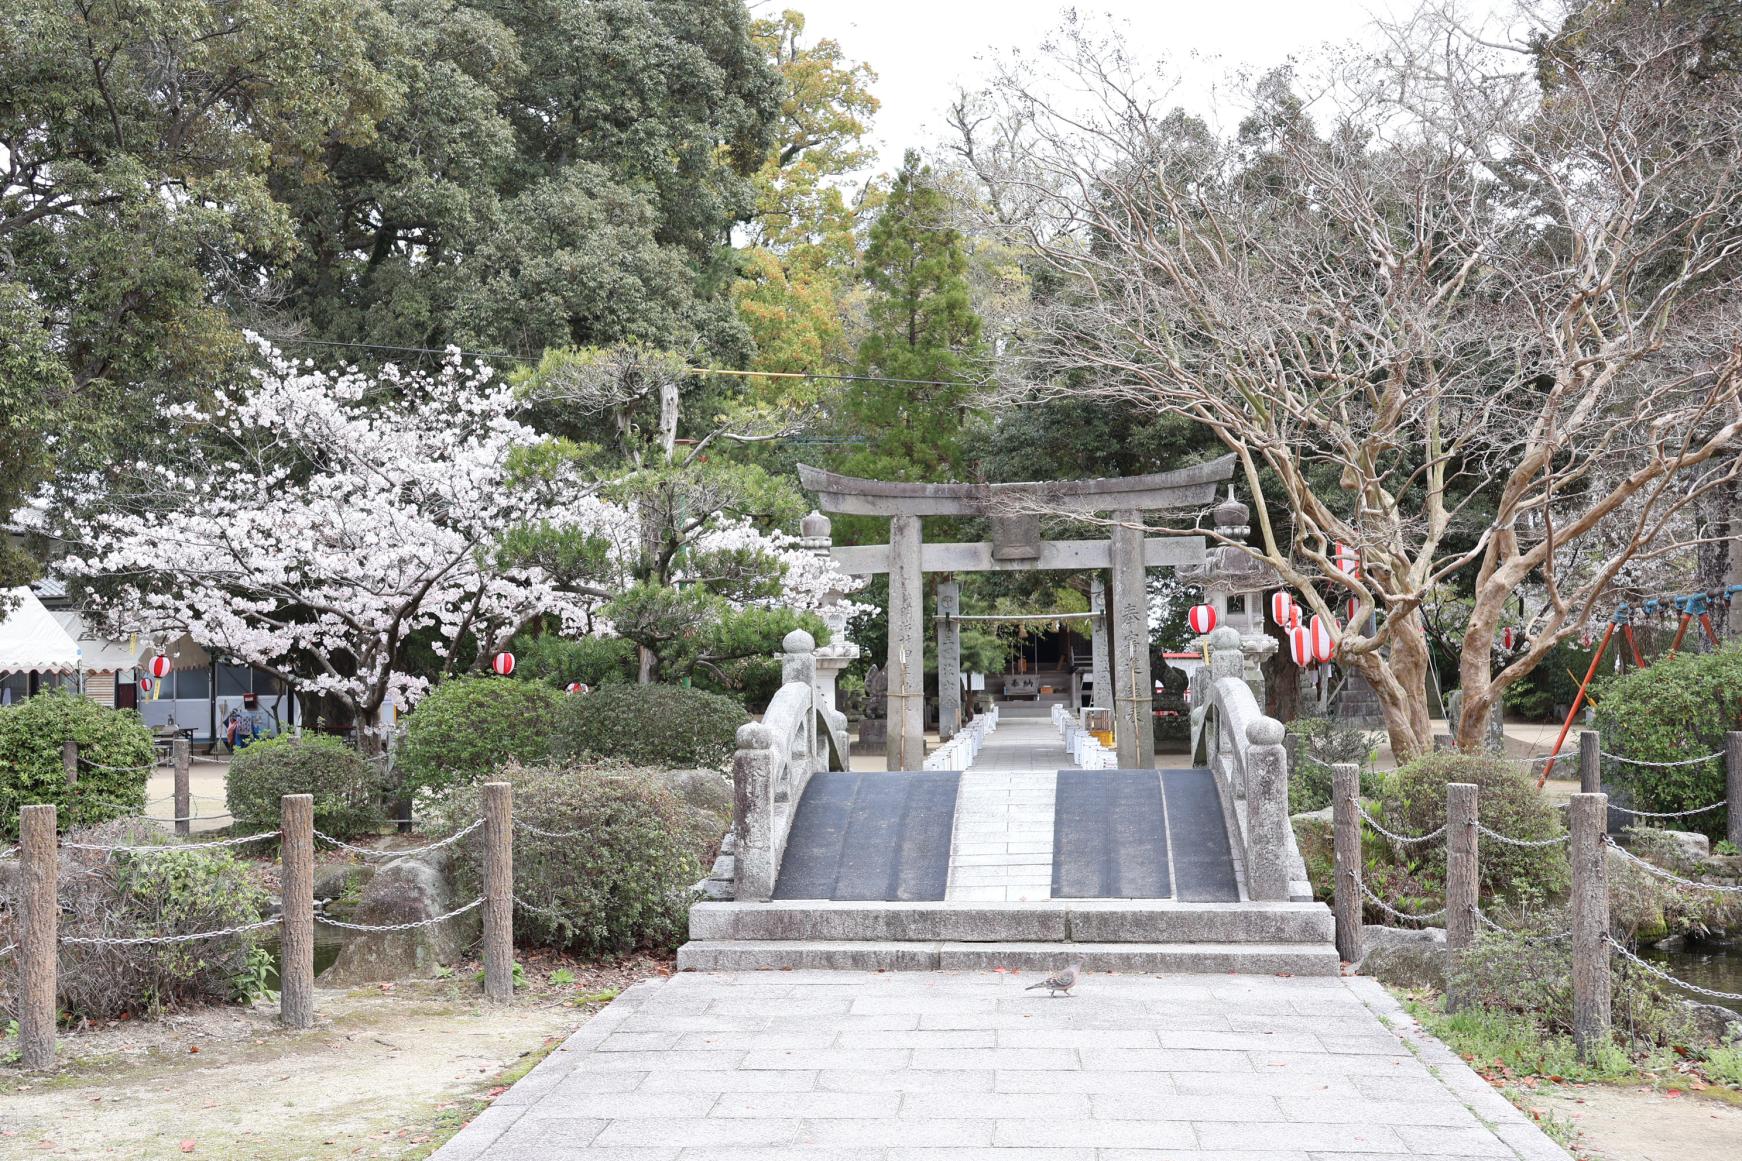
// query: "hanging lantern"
[[1300, 647], [1506, 638], [1202, 618], [1294, 617], [578, 687], [1323, 639], [503, 663], [1347, 561], [1352, 604], [160, 665], [145, 684], [1281, 604]]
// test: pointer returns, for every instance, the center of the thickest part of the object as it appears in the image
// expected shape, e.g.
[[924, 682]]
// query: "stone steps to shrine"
[[1130, 935], [1294, 959]]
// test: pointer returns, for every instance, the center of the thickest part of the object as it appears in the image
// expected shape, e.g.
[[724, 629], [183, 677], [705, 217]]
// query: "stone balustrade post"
[[1226, 657], [1266, 812], [753, 773], [798, 663]]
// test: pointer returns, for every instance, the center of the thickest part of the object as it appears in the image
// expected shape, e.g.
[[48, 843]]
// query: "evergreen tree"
[[922, 326]]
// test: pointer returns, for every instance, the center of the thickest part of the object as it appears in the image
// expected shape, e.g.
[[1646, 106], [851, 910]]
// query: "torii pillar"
[[949, 658], [1134, 690], [1101, 697], [905, 748]]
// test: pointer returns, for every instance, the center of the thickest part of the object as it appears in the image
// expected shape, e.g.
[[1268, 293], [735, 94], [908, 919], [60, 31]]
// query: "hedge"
[[664, 726], [346, 787], [469, 726], [115, 749]]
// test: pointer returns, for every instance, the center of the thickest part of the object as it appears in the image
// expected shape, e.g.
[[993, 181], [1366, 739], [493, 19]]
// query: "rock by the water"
[[404, 891], [1404, 957], [1689, 844], [1713, 1024], [336, 880]]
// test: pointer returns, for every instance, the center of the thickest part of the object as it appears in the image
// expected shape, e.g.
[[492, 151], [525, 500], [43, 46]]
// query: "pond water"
[[1710, 964], [326, 951]]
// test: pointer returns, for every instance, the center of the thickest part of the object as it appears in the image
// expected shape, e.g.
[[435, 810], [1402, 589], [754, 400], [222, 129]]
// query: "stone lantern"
[[816, 535], [1235, 581]]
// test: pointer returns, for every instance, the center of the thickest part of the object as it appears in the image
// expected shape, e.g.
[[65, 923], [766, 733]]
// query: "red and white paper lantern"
[[1300, 647], [1347, 561], [1506, 638], [145, 685], [1282, 609], [578, 687], [1324, 641], [1202, 618], [161, 665], [503, 663]]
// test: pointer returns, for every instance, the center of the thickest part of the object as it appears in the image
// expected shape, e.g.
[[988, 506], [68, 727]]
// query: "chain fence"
[[1670, 813], [1485, 920], [1424, 917], [140, 940], [1660, 765], [158, 847], [398, 853], [1653, 868], [1659, 972], [1392, 835], [1518, 842], [380, 927]]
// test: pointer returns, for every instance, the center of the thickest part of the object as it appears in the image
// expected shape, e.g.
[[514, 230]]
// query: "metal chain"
[[1482, 918], [550, 911], [1669, 814], [1518, 842], [549, 834], [105, 941], [1663, 975], [375, 853], [1661, 765], [1388, 908], [1670, 875], [1394, 837], [86, 762], [8, 853], [135, 850], [478, 902]]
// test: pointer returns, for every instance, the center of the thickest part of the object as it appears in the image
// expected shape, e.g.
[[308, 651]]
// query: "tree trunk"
[[1399, 681]]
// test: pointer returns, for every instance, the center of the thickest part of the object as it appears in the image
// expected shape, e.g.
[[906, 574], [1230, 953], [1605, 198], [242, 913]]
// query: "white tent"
[[31, 639], [97, 654]]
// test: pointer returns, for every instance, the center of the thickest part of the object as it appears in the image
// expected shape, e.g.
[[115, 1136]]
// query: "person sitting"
[[247, 724]]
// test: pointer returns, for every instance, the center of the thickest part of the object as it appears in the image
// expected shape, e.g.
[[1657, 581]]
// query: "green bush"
[[663, 726], [1679, 708], [125, 895], [1506, 801], [612, 874], [469, 726], [1321, 743], [346, 787], [33, 772], [555, 661]]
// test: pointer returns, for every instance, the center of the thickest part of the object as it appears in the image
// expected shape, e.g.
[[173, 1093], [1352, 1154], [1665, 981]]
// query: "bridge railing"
[[799, 735], [1243, 749]]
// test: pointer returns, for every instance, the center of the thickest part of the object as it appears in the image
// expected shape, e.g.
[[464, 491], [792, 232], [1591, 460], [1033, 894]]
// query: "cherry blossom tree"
[[322, 524]]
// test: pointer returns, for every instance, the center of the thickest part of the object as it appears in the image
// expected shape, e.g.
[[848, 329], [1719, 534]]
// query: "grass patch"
[[1507, 1045]]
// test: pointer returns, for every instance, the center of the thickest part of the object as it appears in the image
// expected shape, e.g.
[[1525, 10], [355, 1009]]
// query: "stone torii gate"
[[1016, 544]]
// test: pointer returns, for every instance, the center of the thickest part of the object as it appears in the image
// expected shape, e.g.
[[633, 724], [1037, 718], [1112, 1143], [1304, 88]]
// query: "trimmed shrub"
[[555, 661], [123, 895], [617, 879], [1506, 801], [469, 726], [346, 787], [664, 726], [1679, 708], [32, 771]]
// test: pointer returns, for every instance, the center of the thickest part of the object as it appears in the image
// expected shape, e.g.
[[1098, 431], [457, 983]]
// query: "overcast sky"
[[922, 49]]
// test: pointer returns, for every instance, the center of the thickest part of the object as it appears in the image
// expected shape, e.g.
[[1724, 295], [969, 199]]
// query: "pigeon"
[[1063, 982]]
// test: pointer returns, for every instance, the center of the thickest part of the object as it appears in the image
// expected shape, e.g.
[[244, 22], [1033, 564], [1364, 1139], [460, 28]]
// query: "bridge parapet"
[[799, 735], [1243, 748]]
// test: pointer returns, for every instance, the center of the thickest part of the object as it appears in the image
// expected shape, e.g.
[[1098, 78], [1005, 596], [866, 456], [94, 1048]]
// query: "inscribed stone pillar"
[[906, 746], [949, 658], [1134, 724], [1102, 668]]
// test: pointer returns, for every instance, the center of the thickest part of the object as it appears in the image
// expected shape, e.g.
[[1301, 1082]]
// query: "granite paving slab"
[[959, 1066]]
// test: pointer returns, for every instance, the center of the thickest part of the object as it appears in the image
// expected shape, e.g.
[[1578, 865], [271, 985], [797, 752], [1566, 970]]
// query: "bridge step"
[[910, 955], [1090, 921]]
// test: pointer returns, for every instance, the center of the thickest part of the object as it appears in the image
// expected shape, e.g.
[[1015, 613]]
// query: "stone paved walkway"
[[847, 1066]]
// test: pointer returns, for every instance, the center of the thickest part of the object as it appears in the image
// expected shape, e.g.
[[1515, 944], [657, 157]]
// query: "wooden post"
[[69, 756], [1733, 784], [1588, 819], [498, 892], [296, 852], [1461, 897], [38, 937], [182, 750], [1346, 834], [1590, 762]]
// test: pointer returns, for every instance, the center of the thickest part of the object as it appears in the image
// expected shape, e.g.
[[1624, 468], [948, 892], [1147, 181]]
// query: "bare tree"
[[1484, 328]]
